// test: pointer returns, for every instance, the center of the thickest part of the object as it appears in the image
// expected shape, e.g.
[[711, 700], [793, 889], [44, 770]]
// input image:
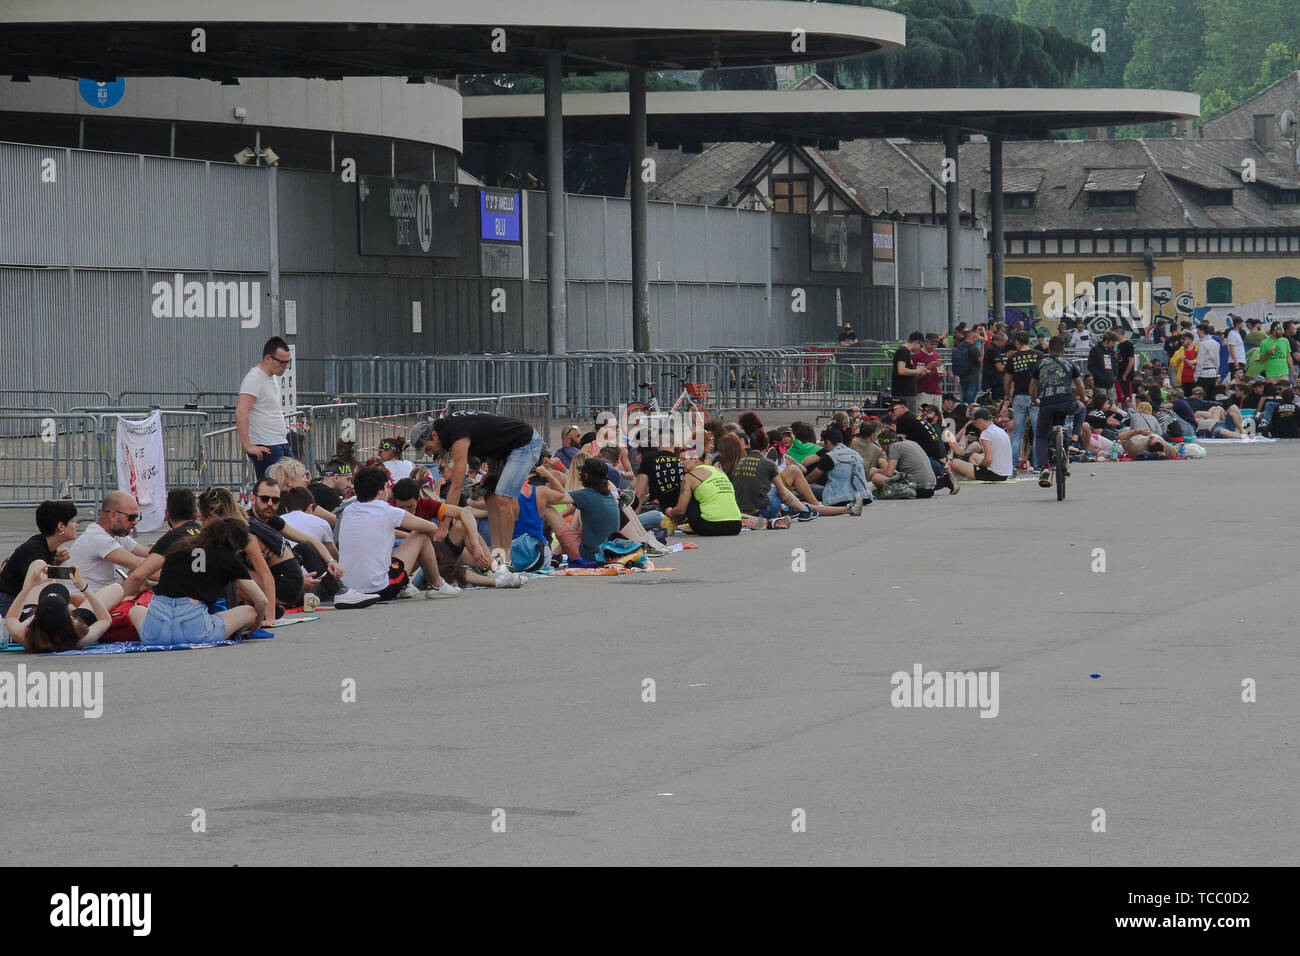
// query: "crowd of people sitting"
[[476, 500]]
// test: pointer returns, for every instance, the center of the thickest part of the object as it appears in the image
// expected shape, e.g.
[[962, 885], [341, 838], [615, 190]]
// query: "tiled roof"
[[1168, 175], [1114, 180], [1021, 180]]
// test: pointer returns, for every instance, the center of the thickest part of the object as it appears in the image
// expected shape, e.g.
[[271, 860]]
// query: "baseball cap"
[[419, 435], [337, 468], [51, 614]]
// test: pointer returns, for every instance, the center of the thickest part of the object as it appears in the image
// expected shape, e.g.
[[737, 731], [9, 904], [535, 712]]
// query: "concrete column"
[[640, 211], [997, 246], [950, 138], [556, 268]]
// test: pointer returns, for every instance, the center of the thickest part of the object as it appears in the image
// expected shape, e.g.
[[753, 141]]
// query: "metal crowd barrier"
[[46, 454], [535, 409], [58, 399]]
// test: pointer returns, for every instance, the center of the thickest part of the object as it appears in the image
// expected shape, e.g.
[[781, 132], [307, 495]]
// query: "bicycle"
[[1060, 459], [687, 402]]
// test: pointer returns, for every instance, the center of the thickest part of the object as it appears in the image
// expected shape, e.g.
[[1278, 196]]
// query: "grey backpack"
[[898, 486]]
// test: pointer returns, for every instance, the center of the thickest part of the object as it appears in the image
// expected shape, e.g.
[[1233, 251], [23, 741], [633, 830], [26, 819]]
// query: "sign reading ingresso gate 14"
[[407, 217]]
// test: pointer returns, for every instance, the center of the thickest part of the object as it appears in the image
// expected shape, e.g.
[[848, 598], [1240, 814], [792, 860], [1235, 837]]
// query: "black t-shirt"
[[15, 569], [752, 480], [490, 436], [663, 471], [178, 578], [902, 384], [187, 530], [1286, 421], [325, 496], [992, 356], [921, 432], [1198, 404], [1097, 419], [1021, 365], [1124, 352]]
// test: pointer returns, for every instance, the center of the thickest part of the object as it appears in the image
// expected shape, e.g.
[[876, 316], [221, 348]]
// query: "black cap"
[[51, 614]]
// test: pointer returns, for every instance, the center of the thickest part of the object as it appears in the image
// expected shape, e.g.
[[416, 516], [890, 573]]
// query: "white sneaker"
[[410, 591], [855, 508], [445, 589], [354, 600], [509, 579], [500, 559]]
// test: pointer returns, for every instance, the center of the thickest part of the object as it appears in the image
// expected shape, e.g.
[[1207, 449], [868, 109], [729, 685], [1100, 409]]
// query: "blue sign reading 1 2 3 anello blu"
[[102, 95], [499, 215]]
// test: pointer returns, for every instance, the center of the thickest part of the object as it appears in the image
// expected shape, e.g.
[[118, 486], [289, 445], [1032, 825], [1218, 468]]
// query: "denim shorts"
[[773, 508], [517, 467], [180, 621]]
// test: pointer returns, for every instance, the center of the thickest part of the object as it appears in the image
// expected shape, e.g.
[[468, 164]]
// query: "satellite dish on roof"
[[1286, 124]]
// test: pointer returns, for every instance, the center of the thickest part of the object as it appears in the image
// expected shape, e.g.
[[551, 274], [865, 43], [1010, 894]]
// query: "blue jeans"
[[180, 621], [1048, 417], [1023, 408], [517, 467], [970, 391], [260, 465], [651, 519], [1269, 409]]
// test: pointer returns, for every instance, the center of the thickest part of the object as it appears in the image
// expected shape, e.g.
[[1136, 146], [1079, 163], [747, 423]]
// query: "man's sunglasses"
[[128, 517], [269, 499]]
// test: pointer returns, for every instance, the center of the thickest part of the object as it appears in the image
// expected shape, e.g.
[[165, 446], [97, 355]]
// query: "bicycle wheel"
[[1062, 460]]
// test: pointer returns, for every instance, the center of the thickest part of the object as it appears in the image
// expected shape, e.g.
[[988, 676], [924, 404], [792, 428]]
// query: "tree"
[[1078, 20], [1237, 36], [950, 43], [1168, 43]]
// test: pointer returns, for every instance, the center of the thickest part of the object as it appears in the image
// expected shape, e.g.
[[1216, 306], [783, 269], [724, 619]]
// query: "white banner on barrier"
[[142, 468]]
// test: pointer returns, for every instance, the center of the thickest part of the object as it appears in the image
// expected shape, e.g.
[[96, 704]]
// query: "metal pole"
[[640, 210], [273, 227], [950, 135], [996, 239], [557, 273]]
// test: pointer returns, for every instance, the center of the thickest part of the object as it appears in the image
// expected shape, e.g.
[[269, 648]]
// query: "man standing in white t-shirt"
[[259, 415]]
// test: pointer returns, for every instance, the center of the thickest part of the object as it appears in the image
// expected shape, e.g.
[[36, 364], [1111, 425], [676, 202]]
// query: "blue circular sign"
[[102, 95]]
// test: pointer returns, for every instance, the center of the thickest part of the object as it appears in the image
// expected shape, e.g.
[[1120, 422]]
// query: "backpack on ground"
[[622, 551], [898, 487]]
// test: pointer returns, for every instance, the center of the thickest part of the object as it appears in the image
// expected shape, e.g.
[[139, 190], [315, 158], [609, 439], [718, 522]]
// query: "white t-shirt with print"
[[366, 544]]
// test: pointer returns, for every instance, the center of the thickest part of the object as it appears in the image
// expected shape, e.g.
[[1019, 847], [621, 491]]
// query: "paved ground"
[[773, 693]]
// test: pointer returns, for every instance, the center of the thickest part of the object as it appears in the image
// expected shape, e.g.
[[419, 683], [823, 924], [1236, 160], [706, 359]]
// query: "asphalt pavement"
[[514, 728]]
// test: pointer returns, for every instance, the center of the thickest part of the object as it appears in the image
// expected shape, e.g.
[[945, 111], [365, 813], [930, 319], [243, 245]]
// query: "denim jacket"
[[846, 478]]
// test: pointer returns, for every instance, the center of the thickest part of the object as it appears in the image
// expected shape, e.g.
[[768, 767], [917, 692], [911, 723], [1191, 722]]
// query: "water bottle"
[[1114, 451]]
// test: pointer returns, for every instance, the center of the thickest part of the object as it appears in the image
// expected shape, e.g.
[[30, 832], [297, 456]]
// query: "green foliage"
[[1168, 43], [951, 43]]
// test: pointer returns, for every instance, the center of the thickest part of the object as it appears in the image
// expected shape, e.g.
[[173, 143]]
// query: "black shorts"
[[398, 579], [983, 474]]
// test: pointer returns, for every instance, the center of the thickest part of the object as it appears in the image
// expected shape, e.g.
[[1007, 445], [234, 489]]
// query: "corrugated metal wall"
[[79, 257]]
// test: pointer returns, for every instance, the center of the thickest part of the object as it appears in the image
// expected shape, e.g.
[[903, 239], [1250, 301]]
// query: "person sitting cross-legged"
[[993, 461]]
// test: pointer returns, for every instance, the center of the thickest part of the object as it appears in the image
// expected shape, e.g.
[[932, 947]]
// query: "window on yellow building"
[[1218, 291], [1286, 291], [1018, 290]]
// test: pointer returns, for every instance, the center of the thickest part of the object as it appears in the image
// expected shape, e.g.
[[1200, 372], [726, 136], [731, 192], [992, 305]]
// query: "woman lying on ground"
[[195, 574], [47, 618]]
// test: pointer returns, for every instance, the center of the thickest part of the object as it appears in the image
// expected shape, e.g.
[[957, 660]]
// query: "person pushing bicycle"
[[1054, 387]]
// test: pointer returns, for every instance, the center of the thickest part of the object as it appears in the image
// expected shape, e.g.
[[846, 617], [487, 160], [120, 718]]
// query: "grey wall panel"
[[104, 209], [307, 219], [33, 212], [239, 218], [32, 301], [173, 241]]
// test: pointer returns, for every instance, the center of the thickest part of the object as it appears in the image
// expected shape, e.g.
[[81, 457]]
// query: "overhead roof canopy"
[[813, 116], [337, 38]]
